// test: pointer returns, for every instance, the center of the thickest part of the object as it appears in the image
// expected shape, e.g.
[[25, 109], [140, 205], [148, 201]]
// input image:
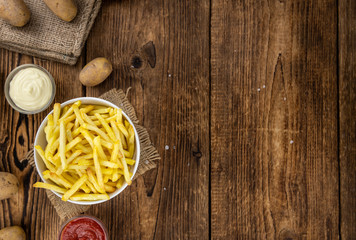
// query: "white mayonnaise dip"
[[31, 89]]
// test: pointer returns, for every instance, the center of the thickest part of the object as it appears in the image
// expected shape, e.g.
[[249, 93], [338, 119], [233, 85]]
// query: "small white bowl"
[[41, 140]]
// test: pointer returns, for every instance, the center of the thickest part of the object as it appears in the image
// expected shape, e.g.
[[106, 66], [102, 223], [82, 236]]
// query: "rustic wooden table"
[[255, 100]]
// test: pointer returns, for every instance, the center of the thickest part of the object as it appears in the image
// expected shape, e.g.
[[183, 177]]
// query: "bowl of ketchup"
[[83, 227]]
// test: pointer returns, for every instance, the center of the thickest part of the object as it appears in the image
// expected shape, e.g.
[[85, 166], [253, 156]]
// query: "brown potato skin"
[[13, 233], [64, 9], [9, 185], [15, 12], [95, 72]]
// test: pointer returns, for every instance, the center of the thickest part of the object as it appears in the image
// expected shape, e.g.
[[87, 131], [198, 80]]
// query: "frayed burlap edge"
[[148, 157]]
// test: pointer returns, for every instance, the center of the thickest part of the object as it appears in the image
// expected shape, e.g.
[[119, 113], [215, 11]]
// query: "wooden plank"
[[172, 102], [31, 208], [274, 155], [347, 100]]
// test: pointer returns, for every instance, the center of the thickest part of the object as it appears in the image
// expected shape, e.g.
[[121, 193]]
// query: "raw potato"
[[95, 72], [14, 12], [12, 233], [64, 9], [9, 185]]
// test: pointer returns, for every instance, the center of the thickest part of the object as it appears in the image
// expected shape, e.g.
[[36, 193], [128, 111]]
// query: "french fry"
[[56, 112], [109, 188], [87, 136], [49, 128], [87, 109], [97, 143], [106, 179], [130, 161], [106, 126], [72, 180], [126, 169], [89, 197], [123, 129], [100, 111], [83, 148], [131, 141], [94, 181], [120, 182], [69, 160], [91, 186], [99, 175], [78, 115], [75, 187], [119, 116], [46, 162], [62, 144], [97, 130], [109, 164], [57, 180], [50, 187]]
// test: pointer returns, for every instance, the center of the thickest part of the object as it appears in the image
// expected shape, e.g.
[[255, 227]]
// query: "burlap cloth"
[[46, 36], [148, 157]]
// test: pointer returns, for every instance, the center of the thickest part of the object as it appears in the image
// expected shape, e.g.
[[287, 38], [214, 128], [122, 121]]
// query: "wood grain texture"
[[274, 162], [242, 100], [172, 102], [347, 101]]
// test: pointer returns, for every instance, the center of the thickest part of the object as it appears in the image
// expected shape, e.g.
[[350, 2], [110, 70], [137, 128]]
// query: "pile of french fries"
[[89, 151]]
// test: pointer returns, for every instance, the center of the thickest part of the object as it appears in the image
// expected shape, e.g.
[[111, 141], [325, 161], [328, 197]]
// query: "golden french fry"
[[97, 130], [115, 175], [109, 164], [97, 144], [87, 109], [130, 161], [42, 155], [94, 181], [75, 187], [120, 182], [49, 128], [123, 129], [109, 188], [91, 186], [62, 144], [106, 127], [131, 141], [50, 187], [84, 149], [69, 119], [56, 112], [78, 115], [87, 136], [69, 111], [126, 169], [69, 160], [89, 197], [100, 111], [69, 135], [99, 175], [116, 154], [119, 116], [106, 179], [57, 179]]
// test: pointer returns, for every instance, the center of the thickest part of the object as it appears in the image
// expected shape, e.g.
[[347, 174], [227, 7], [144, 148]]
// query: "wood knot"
[[197, 154], [286, 234], [136, 62]]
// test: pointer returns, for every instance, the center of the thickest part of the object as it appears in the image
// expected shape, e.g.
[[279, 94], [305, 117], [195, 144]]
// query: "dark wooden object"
[[250, 104]]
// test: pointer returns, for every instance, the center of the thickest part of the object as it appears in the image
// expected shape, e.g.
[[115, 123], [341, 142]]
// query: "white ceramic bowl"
[[41, 140]]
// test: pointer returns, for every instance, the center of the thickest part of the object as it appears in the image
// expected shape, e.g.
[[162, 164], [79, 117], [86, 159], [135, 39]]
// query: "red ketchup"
[[83, 228]]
